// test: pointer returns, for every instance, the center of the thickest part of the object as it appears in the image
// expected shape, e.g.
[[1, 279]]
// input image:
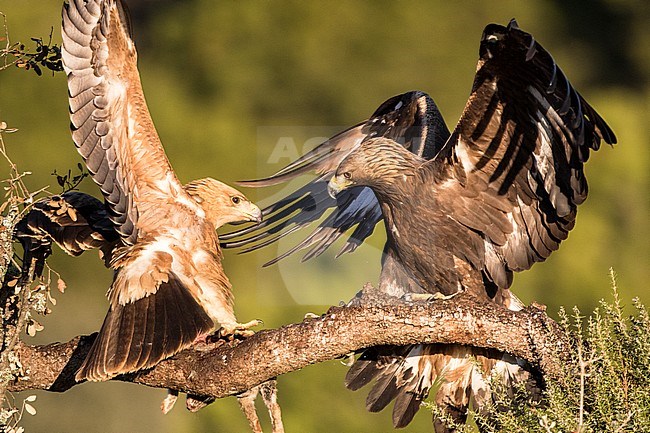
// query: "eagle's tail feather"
[[406, 406], [407, 374]]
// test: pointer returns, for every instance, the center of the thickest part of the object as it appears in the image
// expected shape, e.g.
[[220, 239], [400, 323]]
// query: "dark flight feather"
[[138, 335], [411, 118], [75, 221]]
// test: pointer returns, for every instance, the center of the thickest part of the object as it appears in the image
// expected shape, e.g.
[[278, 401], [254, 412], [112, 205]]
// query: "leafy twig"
[[69, 182], [44, 56]]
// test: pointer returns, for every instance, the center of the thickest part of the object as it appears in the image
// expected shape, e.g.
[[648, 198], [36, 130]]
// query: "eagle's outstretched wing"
[[412, 119], [75, 221], [110, 121], [512, 171]]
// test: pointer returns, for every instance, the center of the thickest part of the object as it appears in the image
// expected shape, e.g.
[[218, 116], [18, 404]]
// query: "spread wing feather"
[[513, 168], [411, 118], [110, 122], [75, 221], [138, 335]]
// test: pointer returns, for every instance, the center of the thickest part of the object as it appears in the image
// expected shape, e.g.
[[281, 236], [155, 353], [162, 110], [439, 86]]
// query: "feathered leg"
[[269, 391], [246, 402]]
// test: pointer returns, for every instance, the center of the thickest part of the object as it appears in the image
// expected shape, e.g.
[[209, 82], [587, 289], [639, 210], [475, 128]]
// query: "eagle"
[[77, 222], [463, 210], [169, 287]]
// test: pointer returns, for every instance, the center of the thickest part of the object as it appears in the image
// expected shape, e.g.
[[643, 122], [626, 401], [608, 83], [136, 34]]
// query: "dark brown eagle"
[[463, 211], [169, 287]]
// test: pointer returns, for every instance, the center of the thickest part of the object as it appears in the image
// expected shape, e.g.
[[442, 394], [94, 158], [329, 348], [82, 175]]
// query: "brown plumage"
[[169, 287], [501, 194], [462, 211]]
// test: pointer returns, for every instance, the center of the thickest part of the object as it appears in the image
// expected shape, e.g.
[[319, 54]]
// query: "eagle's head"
[[377, 163], [222, 204]]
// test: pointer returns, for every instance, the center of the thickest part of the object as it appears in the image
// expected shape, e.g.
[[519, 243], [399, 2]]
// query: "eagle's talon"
[[194, 403], [239, 329]]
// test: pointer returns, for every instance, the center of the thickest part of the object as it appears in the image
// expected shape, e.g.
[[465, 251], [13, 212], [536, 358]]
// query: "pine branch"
[[230, 369]]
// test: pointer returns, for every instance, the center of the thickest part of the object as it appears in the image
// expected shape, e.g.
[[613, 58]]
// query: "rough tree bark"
[[229, 369]]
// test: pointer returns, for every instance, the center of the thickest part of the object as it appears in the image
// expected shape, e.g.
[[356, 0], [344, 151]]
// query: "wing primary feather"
[[412, 118], [270, 240], [296, 221], [311, 161], [139, 334], [310, 207], [285, 176], [280, 209]]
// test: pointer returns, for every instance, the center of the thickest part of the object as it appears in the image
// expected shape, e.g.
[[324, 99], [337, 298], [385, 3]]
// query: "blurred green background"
[[228, 83]]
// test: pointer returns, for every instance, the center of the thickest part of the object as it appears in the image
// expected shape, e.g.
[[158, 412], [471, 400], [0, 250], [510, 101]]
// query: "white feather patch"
[[463, 155]]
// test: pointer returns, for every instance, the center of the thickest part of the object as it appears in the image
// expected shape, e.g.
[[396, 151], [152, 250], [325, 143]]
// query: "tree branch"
[[233, 368]]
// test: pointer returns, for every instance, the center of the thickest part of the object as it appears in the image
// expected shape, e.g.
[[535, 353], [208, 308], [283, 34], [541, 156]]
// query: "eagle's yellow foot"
[[427, 297], [241, 329]]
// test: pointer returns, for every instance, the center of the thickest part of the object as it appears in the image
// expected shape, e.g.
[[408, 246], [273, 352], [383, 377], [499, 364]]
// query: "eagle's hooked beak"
[[254, 213], [337, 184]]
